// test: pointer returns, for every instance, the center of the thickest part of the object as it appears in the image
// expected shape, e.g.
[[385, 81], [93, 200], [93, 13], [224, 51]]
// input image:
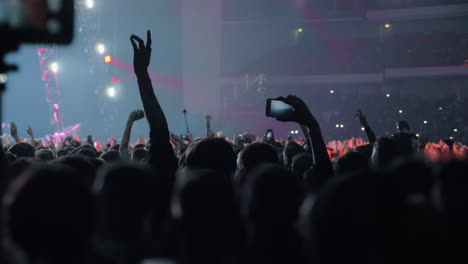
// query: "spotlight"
[[89, 3], [300, 30], [455, 130], [452, 138], [53, 67], [100, 48], [332, 91], [440, 108], [388, 25], [108, 59], [388, 95], [296, 132], [400, 111], [417, 135], [3, 78], [342, 126], [363, 129], [425, 122], [292, 132], [111, 92]]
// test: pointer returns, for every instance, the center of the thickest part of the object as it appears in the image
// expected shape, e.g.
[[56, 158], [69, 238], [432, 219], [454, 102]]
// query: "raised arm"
[[363, 120], [34, 143], [209, 132], [161, 155], [303, 116], [132, 117], [14, 132]]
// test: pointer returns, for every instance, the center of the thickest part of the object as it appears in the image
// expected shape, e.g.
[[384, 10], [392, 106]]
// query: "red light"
[[108, 59], [56, 106]]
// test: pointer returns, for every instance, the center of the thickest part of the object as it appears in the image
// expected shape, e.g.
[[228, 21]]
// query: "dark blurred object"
[[42, 21]]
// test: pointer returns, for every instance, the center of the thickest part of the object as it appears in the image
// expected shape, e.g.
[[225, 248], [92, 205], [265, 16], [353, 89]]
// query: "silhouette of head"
[[50, 213], [124, 197], [300, 163], [252, 156], [45, 155], [81, 165], [204, 205], [212, 153], [403, 126], [140, 155], [351, 162], [110, 156], [384, 152], [23, 150], [291, 150]]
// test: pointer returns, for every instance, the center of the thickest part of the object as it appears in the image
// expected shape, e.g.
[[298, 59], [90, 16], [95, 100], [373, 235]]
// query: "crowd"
[[174, 199]]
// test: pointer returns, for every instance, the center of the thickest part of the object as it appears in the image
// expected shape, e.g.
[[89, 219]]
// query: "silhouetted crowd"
[[210, 200]]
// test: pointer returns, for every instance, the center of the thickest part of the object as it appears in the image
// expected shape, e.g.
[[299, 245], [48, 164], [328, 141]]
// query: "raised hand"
[[362, 118], [142, 53], [301, 113], [136, 115], [208, 118], [13, 130], [30, 132]]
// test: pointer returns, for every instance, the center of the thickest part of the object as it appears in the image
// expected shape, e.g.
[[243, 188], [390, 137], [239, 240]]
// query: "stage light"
[[400, 111], [342, 126], [292, 131], [425, 122], [3, 78], [455, 130], [388, 95], [388, 25], [452, 138], [300, 30], [297, 132], [53, 67], [417, 135], [363, 128], [111, 92], [440, 108], [337, 126], [108, 59], [89, 3], [332, 91], [100, 48]]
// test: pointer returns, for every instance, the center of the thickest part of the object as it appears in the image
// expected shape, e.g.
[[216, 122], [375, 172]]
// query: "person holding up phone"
[[293, 109]]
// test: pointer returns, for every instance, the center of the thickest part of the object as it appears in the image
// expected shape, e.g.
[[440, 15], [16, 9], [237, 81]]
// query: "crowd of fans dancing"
[[174, 199]]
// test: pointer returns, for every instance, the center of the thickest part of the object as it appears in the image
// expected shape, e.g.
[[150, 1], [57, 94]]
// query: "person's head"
[[89, 152], [411, 176], [270, 200], [291, 150], [50, 214], [140, 155], [354, 219], [252, 156], [301, 163], [22, 150], [45, 155], [384, 152], [351, 162], [403, 126], [204, 206], [110, 156], [212, 153], [124, 197], [81, 165]]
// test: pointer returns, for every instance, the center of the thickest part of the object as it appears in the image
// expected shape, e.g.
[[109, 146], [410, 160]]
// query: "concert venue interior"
[[233, 131]]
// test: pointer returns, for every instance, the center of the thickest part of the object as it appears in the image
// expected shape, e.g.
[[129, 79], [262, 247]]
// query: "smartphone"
[[278, 109], [37, 21], [269, 133]]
